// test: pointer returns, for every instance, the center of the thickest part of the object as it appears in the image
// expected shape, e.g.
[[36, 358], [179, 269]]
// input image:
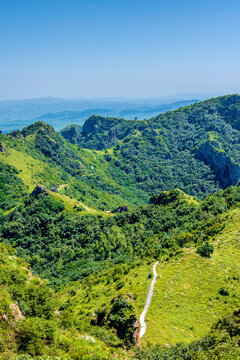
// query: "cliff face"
[[71, 133], [226, 170]]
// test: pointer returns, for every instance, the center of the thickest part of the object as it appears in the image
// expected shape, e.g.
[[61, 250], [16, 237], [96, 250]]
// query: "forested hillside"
[[195, 148], [198, 249], [121, 162], [82, 223]]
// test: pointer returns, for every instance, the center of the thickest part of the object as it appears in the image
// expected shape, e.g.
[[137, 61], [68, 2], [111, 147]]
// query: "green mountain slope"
[[30, 325], [124, 162], [41, 155], [165, 152], [56, 210]]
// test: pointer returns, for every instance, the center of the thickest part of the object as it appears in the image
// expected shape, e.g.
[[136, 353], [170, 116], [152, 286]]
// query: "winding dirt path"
[[143, 325]]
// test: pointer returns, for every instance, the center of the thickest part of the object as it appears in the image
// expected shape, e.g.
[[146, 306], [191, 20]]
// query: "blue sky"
[[80, 48]]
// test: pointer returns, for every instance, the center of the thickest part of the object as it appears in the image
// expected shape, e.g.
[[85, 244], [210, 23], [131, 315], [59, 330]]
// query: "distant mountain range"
[[62, 112]]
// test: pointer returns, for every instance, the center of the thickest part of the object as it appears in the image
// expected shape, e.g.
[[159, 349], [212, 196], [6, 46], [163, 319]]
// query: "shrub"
[[205, 250], [223, 292], [122, 317], [120, 285], [101, 316], [33, 334]]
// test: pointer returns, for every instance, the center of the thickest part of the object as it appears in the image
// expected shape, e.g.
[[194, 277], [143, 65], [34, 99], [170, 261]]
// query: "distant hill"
[[62, 119], [62, 112]]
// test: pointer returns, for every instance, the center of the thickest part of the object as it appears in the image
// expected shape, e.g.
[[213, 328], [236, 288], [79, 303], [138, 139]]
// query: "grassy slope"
[[31, 171], [186, 299], [94, 292], [96, 187], [186, 304]]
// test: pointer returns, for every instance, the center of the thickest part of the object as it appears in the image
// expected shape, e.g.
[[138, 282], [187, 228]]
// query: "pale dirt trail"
[[143, 325]]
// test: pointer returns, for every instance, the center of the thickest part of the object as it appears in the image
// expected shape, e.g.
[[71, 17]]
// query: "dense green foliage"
[[71, 133], [11, 187], [205, 250], [122, 317], [30, 326], [64, 246]]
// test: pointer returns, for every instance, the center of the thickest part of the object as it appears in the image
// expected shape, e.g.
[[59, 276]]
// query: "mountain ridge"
[[168, 139]]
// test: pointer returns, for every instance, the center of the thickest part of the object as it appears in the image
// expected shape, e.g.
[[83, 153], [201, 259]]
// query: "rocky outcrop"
[[71, 133], [38, 127], [121, 209], [136, 334], [227, 172], [16, 312]]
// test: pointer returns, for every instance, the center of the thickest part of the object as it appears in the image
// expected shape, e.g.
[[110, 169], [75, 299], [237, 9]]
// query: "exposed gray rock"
[[226, 170]]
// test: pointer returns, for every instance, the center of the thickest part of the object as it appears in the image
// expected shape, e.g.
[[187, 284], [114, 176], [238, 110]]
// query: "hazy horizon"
[[118, 98]]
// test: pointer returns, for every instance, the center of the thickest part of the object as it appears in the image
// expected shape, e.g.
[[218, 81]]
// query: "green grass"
[[96, 291], [186, 299], [72, 205], [95, 188], [31, 171]]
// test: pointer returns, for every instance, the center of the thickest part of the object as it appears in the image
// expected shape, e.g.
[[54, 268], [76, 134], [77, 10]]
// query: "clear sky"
[[118, 48]]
